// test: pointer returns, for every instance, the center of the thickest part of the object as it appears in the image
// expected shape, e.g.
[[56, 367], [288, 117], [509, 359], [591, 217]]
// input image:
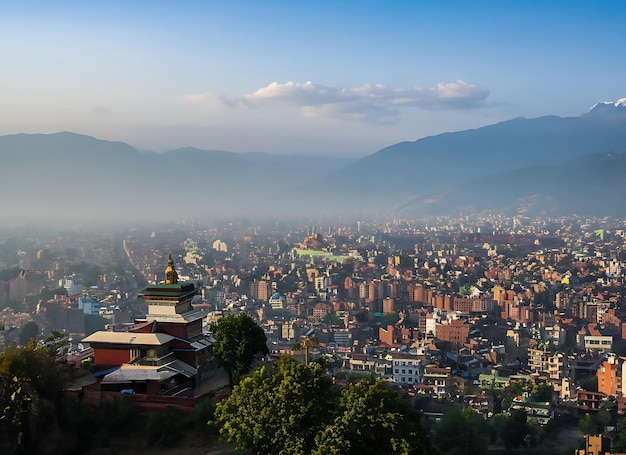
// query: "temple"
[[164, 354]]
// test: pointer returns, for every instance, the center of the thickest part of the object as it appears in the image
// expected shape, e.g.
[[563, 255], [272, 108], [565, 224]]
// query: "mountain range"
[[541, 166]]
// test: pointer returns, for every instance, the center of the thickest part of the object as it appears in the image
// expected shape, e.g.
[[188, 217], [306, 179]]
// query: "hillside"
[[548, 165]]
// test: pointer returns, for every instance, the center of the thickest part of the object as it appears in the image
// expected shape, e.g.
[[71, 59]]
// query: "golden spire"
[[171, 277]]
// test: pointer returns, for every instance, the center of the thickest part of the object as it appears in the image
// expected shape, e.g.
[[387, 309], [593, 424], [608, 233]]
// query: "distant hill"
[[80, 178], [435, 163], [590, 185], [548, 165]]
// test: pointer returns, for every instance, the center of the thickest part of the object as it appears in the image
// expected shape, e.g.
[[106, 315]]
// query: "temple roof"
[[179, 290], [133, 373], [147, 339]]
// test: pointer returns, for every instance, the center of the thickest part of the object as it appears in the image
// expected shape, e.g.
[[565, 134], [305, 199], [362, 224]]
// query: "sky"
[[327, 78]]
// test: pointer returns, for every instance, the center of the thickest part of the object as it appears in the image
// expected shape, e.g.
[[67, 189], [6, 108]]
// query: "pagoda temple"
[[165, 352]]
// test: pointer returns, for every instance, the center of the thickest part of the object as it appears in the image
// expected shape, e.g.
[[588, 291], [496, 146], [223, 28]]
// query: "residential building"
[[407, 369], [438, 380], [542, 359]]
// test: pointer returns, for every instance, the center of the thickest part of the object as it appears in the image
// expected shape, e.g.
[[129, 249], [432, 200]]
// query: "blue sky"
[[341, 78]]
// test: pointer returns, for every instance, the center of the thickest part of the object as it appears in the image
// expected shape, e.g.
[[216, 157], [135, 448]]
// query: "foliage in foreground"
[[37, 416], [290, 408], [30, 387]]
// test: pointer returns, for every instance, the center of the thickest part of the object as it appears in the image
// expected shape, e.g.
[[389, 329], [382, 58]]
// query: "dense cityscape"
[[330, 228], [494, 314]]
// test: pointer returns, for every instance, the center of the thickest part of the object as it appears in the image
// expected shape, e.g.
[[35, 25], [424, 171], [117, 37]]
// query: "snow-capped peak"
[[620, 103]]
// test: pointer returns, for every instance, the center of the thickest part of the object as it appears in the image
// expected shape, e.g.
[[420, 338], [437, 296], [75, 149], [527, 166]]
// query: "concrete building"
[[406, 369], [544, 360]]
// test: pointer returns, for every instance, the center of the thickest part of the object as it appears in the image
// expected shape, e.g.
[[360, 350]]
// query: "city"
[[454, 310], [330, 228]]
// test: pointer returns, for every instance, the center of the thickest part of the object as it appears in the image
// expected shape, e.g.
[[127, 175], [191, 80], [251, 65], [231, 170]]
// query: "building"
[[73, 284], [590, 338], [389, 305], [406, 369], [164, 354], [367, 364], [89, 305], [287, 331], [387, 336], [438, 380], [539, 412], [589, 401], [219, 245], [456, 331], [259, 290], [544, 360], [608, 377], [595, 445], [277, 301]]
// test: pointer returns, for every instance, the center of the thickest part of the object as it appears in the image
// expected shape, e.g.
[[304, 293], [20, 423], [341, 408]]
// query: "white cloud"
[[368, 102]]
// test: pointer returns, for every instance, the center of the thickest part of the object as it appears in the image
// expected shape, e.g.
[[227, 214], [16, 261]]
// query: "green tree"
[[331, 319], [462, 432], [238, 339], [542, 392], [307, 344], [515, 430], [291, 408], [279, 409], [389, 319], [30, 385], [589, 383], [28, 331], [373, 418], [588, 426], [619, 443]]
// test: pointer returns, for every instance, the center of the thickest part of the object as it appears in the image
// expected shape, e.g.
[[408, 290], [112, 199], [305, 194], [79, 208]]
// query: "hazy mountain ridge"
[[71, 175], [592, 184]]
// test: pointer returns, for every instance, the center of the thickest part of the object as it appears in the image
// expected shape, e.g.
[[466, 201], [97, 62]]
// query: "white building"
[[73, 284], [406, 369]]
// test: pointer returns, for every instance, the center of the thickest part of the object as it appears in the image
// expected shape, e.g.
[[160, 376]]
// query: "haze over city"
[[330, 78], [312, 227]]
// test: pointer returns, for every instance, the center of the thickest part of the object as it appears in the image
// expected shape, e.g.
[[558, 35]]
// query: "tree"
[[542, 392], [373, 418], [362, 316], [589, 383], [279, 409], [462, 432], [515, 430], [390, 319], [30, 380], [238, 339], [587, 425], [291, 408], [619, 443], [29, 331], [331, 319], [307, 344]]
